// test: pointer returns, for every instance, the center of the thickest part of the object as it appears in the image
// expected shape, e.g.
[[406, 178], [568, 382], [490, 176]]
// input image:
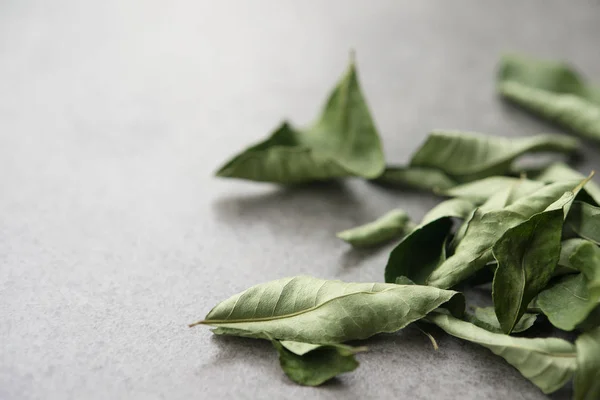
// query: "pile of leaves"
[[530, 235]]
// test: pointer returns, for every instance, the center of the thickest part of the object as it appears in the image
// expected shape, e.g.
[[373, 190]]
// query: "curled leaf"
[[343, 142], [414, 177], [481, 190], [313, 364], [468, 156], [552, 90], [549, 362], [421, 251], [321, 311], [390, 226]]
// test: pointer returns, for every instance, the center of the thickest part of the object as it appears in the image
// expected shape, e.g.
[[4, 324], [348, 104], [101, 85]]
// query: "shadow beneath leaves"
[[564, 393], [353, 257], [256, 354], [238, 349], [311, 207]]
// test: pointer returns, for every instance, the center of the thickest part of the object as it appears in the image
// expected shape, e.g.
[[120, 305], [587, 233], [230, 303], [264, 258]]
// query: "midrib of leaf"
[[284, 316], [344, 115], [522, 289], [562, 286]]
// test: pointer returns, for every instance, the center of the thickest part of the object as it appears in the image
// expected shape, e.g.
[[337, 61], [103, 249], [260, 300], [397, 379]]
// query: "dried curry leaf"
[[562, 172], [569, 300], [390, 226], [481, 190], [422, 250], [549, 362], [313, 364], [527, 255], [468, 156], [552, 90], [474, 251], [343, 142], [587, 377], [485, 317], [312, 310], [584, 220], [416, 178]]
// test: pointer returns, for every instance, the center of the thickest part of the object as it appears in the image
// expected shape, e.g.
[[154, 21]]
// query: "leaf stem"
[[431, 338]]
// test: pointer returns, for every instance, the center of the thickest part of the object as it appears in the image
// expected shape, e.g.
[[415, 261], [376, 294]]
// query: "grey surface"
[[114, 235]]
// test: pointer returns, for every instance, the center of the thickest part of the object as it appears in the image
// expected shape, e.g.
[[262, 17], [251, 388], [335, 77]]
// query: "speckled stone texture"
[[114, 235]]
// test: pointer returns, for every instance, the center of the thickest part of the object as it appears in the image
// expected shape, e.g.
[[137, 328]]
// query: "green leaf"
[[390, 226], [552, 90], [551, 76], [584, 220], [343, 142], [467, 156], [421, 251], [569, 301], [562, 172], [587, 377], [481, 190], [496, 201], [418, 178], [321, 311], [403, 280], [527, 255], [474, 251], [314, 364], [549, 363], [485, 317], [452, 208]]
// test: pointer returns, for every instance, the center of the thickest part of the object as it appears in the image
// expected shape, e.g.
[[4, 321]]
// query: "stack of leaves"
[[532, 239]]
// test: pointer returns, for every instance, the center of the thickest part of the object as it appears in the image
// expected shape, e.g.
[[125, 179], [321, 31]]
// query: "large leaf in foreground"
[[421, 251], [467, 156], [549, 363], [485, 228], [569, 300], [390, 226], [527, 255], [312, 310], [343, 142], [587, 377], [584, 220], [416, 178], [552, 90], [312, 365]]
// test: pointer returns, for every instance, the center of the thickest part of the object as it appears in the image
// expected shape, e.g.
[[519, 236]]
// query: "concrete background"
[[114, 234]]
